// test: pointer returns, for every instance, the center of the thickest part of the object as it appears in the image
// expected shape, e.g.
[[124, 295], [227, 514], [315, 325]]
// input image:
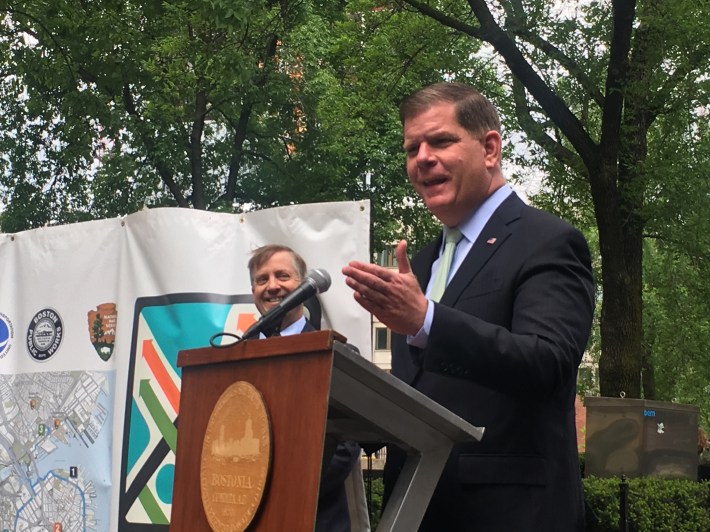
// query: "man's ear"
[[492, 145]]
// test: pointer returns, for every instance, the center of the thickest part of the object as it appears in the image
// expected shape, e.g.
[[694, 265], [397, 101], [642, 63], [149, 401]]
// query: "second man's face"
[[274, 280]]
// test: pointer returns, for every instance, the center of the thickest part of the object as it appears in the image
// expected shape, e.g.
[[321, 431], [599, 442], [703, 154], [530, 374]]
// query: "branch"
[[552, 104], [240, 133], [446, 20], [564, 61], [163, 171], [198, 126], [235, 162], [536, 131], [58, 46], [697, 61], [623, 17]]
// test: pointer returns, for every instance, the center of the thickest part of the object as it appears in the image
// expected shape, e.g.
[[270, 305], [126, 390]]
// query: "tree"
[[111, 105], [592, 89], [115, 105], [676, 328], [356, 67], [177, 102]]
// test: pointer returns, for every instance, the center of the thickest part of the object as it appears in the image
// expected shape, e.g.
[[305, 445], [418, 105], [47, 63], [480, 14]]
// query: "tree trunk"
[[621, 316], [648, 375]]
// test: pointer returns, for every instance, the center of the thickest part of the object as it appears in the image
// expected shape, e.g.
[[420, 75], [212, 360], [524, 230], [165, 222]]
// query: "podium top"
[[366, 403], [369, 405], [252, 349]]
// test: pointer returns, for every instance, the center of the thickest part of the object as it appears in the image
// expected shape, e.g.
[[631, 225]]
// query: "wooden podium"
[[312, 385]]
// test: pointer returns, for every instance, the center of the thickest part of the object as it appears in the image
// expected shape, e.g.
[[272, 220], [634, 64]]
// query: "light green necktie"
[[453, 235]]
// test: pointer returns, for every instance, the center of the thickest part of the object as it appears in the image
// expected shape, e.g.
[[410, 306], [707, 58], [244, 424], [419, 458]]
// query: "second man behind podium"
[[275, 271]]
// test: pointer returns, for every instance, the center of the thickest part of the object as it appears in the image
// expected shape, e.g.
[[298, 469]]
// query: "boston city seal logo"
[[44, 335], [236, 458]]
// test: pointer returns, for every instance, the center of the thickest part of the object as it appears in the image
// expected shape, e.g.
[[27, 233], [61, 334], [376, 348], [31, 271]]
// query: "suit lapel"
[[494, 234], [492, 237], [308, 327]]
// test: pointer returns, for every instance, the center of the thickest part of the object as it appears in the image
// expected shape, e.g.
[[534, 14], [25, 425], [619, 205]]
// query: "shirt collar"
[[295, 328], [472, 225]]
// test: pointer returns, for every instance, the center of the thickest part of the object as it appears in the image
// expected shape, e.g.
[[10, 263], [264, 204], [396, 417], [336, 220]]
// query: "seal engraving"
[[44, 334], [236, 458]]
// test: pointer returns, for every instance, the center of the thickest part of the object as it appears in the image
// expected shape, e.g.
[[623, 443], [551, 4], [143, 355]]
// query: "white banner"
[[92, 316]]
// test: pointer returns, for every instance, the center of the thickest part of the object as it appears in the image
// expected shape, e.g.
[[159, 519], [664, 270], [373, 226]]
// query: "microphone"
[[316, 282]]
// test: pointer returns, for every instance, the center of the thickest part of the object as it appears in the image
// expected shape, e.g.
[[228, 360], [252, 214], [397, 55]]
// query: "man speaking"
[[492, 319]]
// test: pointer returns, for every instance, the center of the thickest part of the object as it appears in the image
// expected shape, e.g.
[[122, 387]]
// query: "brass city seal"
[[236, 458]]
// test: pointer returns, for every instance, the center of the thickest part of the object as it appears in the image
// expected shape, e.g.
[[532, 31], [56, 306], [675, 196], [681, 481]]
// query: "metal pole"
[[623, 505]]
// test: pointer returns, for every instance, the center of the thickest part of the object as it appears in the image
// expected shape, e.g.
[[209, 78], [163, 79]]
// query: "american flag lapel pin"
[[491, 241]]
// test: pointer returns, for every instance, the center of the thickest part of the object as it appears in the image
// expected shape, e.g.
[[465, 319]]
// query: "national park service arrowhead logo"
[[102, 329], [236, 458]]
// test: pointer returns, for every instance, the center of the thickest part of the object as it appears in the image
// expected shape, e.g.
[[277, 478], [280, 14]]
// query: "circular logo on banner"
[[44, 335], [236, 458], [6, 335]]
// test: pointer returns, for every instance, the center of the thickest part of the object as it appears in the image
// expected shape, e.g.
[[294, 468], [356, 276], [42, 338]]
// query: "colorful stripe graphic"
[[164, 326]]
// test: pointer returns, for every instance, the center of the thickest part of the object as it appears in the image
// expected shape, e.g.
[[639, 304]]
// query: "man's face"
[[453, 171], [273, 281]]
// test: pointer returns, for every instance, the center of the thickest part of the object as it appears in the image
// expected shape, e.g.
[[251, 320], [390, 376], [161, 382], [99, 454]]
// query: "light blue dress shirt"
[[470, 228], [295, 328]]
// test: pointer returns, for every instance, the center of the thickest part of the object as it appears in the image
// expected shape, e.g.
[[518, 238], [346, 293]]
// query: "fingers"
[[367, 280], [402, 258], [394, 297], [365, 303], [365, 269]]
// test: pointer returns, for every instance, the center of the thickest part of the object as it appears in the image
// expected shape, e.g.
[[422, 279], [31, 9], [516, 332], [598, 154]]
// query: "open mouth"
[[434, 181]]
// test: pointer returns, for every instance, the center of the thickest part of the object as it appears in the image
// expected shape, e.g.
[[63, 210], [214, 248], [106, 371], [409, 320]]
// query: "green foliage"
[[602, 499], [355, 71], [654, 505], [677, 259], [105, 92], [112, 105], [677, 331], [375, 490]]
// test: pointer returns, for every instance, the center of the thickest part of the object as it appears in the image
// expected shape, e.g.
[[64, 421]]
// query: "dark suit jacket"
[[339, 458], [504, 347]]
